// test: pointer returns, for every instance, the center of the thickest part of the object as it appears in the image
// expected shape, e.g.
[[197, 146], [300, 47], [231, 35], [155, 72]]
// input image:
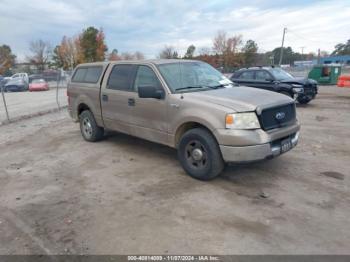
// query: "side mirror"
[[269, 79], [150, 92]]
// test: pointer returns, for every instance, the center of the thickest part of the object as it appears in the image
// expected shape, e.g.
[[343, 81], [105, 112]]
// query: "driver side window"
[[262, 75], [146, 77]]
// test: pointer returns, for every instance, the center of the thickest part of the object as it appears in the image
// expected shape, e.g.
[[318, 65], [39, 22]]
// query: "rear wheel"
[[200, 155], [89, 129]]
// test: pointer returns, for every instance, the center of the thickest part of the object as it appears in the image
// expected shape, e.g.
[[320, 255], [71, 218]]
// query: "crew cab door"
[[117, 95], [264, 80], [149, 118]]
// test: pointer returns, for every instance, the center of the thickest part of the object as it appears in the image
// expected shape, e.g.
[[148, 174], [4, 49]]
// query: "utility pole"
[[281, 53], [318, 56], [302, 49]]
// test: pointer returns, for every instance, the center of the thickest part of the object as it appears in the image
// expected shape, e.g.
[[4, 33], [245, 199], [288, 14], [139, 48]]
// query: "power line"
[[309, 39]]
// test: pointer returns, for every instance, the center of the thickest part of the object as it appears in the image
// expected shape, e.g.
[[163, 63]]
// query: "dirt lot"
[[59, 194]]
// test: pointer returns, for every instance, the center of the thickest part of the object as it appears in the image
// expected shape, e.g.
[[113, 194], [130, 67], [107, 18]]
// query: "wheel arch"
[[184, 127], [82, 107]]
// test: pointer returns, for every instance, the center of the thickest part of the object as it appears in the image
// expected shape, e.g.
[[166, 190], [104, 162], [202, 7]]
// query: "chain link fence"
[[19, 105], [24, 104], [304, 71]]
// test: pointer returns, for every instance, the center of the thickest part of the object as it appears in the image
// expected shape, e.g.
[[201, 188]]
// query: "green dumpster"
[[325, 74]]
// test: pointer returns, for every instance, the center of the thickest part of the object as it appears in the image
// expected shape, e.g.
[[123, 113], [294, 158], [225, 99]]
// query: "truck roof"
[[151, 61]]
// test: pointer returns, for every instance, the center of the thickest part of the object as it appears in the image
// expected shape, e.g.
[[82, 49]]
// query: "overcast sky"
[[149, 25]]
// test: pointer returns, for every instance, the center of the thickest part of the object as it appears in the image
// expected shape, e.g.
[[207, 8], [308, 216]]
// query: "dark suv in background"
[[277, 80]]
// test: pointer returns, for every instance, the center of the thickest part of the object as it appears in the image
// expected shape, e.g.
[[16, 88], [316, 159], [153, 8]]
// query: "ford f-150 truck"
[[184, 104]]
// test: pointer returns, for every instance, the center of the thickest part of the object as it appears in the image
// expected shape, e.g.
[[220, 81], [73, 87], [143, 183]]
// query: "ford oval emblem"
[[280, 115]]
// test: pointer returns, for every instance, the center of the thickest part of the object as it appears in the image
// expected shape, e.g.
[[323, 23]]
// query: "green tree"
[[92, 43], [288, 55], [7, 59], [190, 52], [57, 60], [114, 56], [250, 50], [342, 49]]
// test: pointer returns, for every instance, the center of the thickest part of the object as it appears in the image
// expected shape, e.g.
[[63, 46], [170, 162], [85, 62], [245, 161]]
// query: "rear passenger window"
[[121, 77], [93, 74], [79, 75], [248, 75]]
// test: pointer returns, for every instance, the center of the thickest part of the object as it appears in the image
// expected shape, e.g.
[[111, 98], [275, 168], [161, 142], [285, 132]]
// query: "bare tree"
[[219, 42], [168, 52], [139, 56], [70, 52], [41, 51], [233, 44], [127, 56], [204, 51]]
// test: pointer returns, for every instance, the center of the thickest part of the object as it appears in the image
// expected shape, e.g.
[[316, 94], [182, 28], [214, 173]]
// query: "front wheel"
[[89, 129], [200, 155], [303, 100]]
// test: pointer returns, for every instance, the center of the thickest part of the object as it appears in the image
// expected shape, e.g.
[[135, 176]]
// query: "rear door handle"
[[104, 97], [131, 102]]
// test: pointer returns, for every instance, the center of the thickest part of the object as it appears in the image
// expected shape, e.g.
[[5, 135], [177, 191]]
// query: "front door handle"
[[104, 97], [131, 102]]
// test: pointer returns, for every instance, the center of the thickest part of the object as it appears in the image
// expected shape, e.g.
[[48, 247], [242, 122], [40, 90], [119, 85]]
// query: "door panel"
[[261, 82], [149, 118], [116, 111], [115, 94]]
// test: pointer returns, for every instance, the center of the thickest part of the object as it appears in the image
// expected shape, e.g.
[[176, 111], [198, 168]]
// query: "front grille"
[[270, 118], [310, 88]]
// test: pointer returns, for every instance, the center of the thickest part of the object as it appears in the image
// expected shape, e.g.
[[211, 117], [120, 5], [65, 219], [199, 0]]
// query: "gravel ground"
[[123, 195]]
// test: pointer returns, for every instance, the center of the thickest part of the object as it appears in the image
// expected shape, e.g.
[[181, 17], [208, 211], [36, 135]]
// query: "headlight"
[[242, 121], [298, 90]]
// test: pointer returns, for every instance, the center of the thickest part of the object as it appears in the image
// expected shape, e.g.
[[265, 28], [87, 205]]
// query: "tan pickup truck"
[[187, 105]]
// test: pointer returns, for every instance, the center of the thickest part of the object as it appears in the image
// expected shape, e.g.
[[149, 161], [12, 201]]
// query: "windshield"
[[280, 74], [192, 76]]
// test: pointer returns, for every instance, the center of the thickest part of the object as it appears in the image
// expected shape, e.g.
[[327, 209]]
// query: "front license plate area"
[[286, 145]]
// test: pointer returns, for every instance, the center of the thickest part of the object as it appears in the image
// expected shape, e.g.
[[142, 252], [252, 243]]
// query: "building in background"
[[305, 63], [342, 60]]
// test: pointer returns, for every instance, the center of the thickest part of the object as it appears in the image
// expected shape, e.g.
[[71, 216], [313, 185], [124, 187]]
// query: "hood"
[[241, 98], [299, 80], [15, 81]]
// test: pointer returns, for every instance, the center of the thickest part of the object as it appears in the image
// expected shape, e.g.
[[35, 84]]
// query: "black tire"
[[89, 129], [303, 100], [209, 163]]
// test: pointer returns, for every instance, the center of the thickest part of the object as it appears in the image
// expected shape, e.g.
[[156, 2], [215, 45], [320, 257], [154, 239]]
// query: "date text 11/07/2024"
[[173, 258]]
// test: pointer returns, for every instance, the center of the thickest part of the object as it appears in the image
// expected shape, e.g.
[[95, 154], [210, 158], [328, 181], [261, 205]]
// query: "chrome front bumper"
[[253, 153]]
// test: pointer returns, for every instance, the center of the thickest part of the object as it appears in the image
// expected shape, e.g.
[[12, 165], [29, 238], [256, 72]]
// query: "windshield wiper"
[[189, 87], [217, 86], [201, 86]]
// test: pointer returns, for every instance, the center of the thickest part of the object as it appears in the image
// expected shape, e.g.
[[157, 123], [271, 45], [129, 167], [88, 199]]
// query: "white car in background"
[[24, 76]]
